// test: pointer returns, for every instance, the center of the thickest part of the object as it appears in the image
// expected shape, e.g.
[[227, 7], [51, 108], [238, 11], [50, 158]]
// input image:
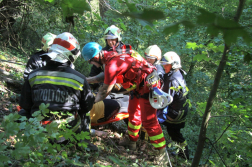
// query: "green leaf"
[[146, 24], [116, 160], [131, 6], [20, 150], [173, 28], [188, 24], [50, 1], [230, 36], [22, 125], [123, 26], [200, 57], [64, 154], [226, 23], [213, 30], [212, 163], [152, 14], [237, 100], [205, 17], [192, 45], [70, 7], [4, 158]]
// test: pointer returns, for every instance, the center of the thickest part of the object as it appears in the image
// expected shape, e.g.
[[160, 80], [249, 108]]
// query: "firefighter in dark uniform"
[[175, 116], [65, 89]]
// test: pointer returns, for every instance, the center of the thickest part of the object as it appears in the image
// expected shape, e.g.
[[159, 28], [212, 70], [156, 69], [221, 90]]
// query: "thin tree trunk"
[[206, 116]]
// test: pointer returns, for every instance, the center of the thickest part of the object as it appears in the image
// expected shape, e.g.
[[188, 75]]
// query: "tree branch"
[[224, 131], [217, 152], [223, 116]]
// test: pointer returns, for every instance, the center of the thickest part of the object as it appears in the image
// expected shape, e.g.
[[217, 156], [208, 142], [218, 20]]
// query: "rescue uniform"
[[177, 112], [62, 87], [33, 63], [95, 70], [119, 69], [160, 72]]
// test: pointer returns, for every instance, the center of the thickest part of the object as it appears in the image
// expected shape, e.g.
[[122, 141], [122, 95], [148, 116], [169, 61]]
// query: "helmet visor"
[[164, 61], [110, 37], [150, 56]]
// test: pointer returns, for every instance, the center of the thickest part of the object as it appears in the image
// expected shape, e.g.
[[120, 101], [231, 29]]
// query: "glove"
[[162, 114]]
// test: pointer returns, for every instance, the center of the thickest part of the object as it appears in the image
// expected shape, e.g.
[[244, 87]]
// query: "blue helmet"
[[90, 50]]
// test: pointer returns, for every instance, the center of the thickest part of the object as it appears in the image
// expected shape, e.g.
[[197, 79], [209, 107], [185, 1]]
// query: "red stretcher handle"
[[119, 116]]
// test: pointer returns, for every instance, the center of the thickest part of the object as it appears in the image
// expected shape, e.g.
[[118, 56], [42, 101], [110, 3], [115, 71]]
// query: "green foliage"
[[70, 7], [32, 143]]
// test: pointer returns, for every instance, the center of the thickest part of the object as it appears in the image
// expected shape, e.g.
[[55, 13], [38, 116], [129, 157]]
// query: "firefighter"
[[153, 55], [65, 89], [174, 116], [135, 74], [113, 39]]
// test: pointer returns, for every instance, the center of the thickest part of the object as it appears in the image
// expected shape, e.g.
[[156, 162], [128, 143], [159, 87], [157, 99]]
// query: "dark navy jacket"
[[172, 79], [58, 84], [33, 63]]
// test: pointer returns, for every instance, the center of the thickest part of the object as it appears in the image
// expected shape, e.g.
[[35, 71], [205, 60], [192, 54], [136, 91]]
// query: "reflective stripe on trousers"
[[147, 118]]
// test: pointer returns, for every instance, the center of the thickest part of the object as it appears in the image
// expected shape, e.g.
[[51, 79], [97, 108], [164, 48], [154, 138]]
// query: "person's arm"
[[87, 98], [26, 97], [104, 91], [96, 79]]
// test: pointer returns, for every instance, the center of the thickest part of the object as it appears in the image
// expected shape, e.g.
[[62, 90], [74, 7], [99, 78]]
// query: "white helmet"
[[171, 58], [113, 32], [47, 41], [159, 99], [65, 48], [153, 52]]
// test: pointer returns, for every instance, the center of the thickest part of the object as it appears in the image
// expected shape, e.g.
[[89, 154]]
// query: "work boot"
[[128, 143], [162, 158], [90, 146]]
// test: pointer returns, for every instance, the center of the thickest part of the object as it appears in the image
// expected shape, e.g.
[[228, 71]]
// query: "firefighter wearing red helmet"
[[60, 86]]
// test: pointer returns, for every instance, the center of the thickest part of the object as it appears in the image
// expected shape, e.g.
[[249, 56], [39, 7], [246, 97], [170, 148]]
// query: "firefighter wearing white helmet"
[[65, 48], [173, 59], [174, 116], [113, 32], [153, 55], [35, 60], [63, 88], [113, 39]]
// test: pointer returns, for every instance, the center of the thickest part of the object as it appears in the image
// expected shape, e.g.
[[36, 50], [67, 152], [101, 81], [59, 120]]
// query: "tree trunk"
[[206, 116]]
